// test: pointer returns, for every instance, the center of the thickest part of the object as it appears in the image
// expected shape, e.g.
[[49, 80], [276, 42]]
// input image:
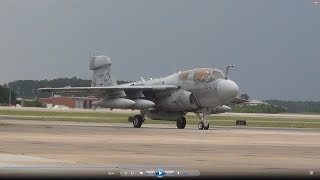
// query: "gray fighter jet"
[[202, 91]]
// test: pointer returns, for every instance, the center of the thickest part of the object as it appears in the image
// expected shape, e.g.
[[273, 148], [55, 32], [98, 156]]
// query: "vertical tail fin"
[[101, 67]]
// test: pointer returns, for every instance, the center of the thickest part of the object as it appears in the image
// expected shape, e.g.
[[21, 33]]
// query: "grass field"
[[3, 124], [116, 117]]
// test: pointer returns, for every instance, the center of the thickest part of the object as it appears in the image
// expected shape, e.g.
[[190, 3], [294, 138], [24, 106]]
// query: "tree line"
[[297, 106], [259, 108], [278, 106]]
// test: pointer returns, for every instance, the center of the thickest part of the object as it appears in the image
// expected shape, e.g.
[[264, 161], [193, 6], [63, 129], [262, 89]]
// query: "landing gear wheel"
[[206, 127], [203, 124], [200, 125], [137, 121], [181, 123]]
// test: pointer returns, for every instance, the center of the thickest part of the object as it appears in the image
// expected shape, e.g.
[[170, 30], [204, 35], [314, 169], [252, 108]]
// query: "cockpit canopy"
[[202, 75]]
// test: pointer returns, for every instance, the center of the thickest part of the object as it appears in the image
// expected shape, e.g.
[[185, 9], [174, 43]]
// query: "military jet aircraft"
[[202, 91]]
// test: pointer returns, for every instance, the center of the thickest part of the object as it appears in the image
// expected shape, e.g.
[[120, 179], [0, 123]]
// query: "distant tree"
[[33, 103], [5, 95], [260, 108]]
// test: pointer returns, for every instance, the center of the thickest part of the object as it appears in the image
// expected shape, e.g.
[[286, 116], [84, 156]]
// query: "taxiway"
[[218, 151]]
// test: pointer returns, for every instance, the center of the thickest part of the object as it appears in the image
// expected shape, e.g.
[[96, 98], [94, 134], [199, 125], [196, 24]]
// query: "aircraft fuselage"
[[209, 87]]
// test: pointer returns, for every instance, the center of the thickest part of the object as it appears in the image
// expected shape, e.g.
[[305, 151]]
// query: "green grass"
[[3, 124], [233, 118], [57, 113], [115, 117]]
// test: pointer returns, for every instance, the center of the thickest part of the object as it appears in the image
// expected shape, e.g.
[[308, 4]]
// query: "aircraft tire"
[[181, 123], [137, 121], [206, 127], [200, 125]]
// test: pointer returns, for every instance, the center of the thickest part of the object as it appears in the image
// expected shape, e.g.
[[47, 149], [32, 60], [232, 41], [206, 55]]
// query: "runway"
[[218, 151]]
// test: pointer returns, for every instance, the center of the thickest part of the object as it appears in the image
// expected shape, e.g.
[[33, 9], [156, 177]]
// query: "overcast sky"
[[275, 44]]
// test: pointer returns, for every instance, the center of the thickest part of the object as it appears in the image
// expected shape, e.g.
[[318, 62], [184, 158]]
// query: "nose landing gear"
[[202, 126], [204, 123]]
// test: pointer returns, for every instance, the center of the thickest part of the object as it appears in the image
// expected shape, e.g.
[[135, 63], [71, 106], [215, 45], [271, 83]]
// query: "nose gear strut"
[[204, 123]]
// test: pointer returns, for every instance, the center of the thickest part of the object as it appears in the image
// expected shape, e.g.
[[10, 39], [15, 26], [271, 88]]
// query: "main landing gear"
[[204, 123], [137, 120], [181, 123]]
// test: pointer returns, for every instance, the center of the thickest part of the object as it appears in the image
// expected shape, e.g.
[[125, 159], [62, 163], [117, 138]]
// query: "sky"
[[274, 44]]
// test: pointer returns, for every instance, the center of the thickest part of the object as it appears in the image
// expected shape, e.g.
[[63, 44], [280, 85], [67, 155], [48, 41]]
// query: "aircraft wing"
[[239, 100], [109, 90]]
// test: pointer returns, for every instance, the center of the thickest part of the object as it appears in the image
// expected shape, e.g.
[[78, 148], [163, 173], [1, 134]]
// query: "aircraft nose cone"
[[227, 90]]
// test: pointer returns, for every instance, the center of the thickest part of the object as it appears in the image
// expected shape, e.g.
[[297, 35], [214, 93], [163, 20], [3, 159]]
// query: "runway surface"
[[218, 151]]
